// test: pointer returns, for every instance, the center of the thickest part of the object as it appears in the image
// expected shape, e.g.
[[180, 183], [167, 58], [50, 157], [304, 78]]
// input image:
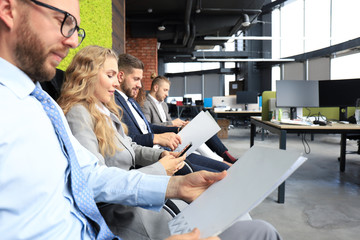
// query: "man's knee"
[[266, 230], [251, 230]]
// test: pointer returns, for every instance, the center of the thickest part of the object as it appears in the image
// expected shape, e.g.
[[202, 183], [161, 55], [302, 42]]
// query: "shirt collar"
[[15, 79], [155, 100], [122, 94], [103, 109]]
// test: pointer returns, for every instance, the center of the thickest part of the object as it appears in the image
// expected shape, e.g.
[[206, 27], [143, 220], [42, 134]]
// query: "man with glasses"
[[48, 181]]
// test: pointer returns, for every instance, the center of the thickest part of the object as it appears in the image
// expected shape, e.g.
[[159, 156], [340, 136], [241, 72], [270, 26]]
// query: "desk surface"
[[239, 112], [333, 127]]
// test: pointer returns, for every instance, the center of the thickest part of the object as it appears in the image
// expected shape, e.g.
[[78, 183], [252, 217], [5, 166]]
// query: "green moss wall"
[[96, 19]]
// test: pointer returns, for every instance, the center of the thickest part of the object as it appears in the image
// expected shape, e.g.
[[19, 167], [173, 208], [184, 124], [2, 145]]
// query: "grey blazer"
[[125, 221], [152, 114]]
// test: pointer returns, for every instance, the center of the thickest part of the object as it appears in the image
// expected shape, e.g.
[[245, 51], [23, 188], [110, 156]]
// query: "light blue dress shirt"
[[35, 197]]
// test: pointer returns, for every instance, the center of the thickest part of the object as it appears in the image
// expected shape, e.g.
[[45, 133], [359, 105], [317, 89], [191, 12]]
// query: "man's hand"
[[172, 164], [190, 186], [193, 235], [178, 122], [169, 139]]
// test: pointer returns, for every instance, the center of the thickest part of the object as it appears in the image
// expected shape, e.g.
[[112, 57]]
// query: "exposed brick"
[[146, 50]]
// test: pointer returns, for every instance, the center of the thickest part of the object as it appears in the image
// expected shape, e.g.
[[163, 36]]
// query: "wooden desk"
[[237, 114], [283, 130]]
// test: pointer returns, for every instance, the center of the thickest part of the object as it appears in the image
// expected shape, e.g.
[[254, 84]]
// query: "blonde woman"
[[88, 103]]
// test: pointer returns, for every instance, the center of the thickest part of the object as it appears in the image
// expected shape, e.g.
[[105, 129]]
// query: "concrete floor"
[[320, 202]]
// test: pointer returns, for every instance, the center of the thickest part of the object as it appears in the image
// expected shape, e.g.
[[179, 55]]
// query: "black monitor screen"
[[339, 93], [245, 97], [297, 93]]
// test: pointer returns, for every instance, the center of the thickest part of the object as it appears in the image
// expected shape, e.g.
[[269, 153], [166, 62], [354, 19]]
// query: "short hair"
[[158, 81], [127, 63]]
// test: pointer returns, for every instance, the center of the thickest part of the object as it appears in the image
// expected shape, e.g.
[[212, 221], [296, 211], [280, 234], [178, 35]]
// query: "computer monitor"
[[339, 93], [246, 97], [297, 93], [243, 97]]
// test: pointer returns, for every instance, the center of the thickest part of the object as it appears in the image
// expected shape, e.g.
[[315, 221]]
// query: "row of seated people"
[[50, 183], [102, 126]]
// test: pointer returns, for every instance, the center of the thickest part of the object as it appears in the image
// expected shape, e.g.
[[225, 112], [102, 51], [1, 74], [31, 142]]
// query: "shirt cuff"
[[152, 191]]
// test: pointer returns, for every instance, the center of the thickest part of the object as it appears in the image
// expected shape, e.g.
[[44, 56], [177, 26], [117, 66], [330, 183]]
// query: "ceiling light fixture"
[[161, 28], [246, 20]]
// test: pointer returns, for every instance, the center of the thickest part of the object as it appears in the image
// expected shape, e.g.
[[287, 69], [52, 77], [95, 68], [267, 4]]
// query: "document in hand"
[[198, 131], [248, 182]]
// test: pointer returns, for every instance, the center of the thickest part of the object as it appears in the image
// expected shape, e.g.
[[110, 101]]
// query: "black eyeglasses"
[[68, 25]]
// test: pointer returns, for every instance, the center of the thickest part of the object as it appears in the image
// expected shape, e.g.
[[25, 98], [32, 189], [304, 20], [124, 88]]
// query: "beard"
[[159, 97], [126, 89], [30, 54]]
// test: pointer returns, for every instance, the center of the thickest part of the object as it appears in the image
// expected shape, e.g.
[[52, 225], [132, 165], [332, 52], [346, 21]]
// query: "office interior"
[[214, 49]]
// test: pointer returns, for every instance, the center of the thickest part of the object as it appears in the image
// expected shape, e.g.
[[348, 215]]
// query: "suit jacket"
[[134, 128], [152, 113], [125, 221]]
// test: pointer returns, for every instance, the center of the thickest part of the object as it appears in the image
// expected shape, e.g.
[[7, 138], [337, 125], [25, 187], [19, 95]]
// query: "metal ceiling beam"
[[324, 52], [244, 60], [270, 7], [221, 54], [225, 38]]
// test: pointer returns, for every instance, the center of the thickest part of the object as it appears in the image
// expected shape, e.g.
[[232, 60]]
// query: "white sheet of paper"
[[197, 131], [248, 182]]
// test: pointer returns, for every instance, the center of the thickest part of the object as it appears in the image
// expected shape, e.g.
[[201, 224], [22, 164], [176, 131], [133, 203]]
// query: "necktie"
[[83, 198], [132, 101]]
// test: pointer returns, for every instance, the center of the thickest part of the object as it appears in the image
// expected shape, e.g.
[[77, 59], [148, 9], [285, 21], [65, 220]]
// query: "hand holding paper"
[[189, 187]]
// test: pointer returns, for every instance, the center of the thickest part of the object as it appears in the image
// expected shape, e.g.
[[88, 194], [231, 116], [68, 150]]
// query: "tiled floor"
[[320, 202]]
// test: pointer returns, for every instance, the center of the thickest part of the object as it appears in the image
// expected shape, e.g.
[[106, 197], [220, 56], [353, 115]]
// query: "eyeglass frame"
[[76, 28]]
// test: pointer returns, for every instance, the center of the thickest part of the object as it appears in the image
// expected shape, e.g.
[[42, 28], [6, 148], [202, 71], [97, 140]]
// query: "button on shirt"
[[160, 108], [36, 201]]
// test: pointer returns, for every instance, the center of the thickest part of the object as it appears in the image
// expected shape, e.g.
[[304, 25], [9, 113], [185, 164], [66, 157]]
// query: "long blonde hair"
[[80, 80]]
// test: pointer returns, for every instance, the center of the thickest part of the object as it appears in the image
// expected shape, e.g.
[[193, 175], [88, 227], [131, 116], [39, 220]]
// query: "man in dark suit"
[[156, 111], [139, 129]]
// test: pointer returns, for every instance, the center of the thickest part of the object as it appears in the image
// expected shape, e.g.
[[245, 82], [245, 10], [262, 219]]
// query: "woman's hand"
[[172, 163]]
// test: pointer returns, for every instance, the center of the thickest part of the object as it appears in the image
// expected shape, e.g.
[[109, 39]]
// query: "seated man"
[[139, 129], [49, 182], [156, 111]]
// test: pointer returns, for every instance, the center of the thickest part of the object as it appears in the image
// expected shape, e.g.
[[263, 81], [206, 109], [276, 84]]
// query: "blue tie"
[[81, 193], [132, 101]]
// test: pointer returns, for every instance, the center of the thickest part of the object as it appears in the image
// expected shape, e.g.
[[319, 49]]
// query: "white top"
[[160, 108], [137, 116]]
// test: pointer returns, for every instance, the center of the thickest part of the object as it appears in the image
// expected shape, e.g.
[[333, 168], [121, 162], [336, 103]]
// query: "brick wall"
[[146, 50]]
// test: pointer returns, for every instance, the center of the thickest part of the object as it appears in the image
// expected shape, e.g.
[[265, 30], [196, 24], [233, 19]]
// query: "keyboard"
[[292, 122]]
